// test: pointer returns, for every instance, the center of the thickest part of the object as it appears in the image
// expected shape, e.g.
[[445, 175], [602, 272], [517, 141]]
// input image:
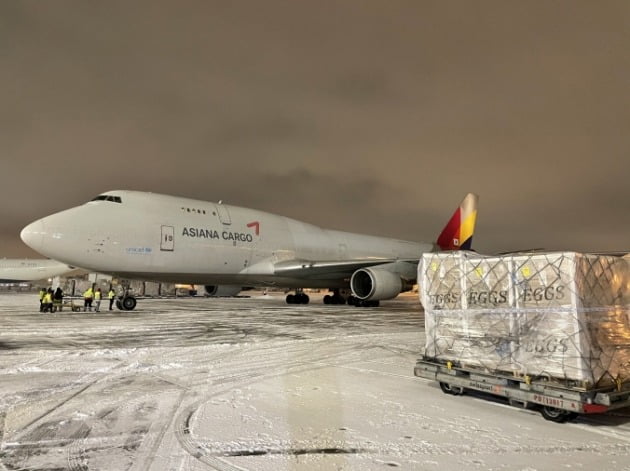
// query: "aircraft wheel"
[[119, 304], [328, 299], [290, 299], [129, 303], [304, 299], [352, 301], [366, 303]]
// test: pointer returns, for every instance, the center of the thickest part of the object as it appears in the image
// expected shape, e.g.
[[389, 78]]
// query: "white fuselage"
[[165, 238], [13, 270]]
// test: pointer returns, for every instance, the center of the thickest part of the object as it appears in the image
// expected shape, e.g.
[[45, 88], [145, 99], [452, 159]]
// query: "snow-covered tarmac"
[[255, 384]]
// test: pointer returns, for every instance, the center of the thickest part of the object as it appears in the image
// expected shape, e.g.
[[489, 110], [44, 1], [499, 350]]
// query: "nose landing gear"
[[126, 302]]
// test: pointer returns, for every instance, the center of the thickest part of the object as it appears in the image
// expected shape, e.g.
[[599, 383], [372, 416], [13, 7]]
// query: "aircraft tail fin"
[[458, 232]]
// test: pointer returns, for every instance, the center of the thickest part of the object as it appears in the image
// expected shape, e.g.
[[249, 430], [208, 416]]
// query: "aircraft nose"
[[33, 234]]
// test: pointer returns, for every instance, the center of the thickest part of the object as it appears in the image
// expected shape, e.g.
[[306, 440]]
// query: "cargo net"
[[561, 316]]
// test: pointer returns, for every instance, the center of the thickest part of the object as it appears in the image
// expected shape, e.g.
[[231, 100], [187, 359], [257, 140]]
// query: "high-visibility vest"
[[97, 295], [47, 298], [111, 294], [88, 293]]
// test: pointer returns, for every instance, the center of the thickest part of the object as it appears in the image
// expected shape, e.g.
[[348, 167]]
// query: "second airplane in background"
[[16, 270], [156, 237]]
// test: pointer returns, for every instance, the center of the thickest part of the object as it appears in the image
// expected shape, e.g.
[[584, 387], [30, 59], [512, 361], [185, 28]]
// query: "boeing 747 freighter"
[[149, 236]]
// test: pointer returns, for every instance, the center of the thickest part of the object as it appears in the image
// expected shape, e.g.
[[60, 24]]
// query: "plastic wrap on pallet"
[[561, 315]]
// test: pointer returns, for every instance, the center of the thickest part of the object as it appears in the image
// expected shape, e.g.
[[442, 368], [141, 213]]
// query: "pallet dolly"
[[557, 402]]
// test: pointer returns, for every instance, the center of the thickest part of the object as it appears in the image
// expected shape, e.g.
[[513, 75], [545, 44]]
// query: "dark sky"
[[366, 116]]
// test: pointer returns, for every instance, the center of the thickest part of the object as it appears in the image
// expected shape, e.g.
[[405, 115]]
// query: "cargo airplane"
[[149, 236], [17, 270]]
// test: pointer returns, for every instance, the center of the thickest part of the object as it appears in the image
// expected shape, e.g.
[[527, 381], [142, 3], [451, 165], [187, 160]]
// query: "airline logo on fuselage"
[[205, 233]]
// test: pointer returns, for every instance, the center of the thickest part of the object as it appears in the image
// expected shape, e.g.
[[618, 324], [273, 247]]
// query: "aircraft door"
[[168, 239], [223, 213]]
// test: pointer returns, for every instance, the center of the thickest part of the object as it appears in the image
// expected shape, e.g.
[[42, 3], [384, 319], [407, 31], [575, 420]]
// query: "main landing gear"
[[298, 298], [354, 301], [335, 298]]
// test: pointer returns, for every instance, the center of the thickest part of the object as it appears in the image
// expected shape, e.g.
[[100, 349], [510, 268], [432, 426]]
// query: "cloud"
[[364, 116]]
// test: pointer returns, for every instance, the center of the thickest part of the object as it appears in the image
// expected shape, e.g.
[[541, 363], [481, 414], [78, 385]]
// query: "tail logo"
[[458, 232]]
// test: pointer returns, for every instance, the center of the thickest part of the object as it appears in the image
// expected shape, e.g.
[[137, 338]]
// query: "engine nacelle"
[[377, 283], [222, 290]]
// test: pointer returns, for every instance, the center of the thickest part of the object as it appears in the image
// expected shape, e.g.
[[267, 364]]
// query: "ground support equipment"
[[556, 402]]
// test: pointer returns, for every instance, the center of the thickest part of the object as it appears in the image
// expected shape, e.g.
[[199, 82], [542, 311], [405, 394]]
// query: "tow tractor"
[[558, 402]]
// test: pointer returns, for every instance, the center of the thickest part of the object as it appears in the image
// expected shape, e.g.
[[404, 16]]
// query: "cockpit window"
[[113, 199]]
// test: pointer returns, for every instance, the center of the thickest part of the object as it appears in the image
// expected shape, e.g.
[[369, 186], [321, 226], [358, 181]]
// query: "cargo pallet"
[[557, 402]]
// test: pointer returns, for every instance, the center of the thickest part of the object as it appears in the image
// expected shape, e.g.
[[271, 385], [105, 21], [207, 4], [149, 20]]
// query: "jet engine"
[[377, 283], [222, 290]]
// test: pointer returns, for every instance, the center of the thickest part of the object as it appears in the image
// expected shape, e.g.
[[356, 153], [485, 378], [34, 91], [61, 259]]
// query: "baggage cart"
[[74, 307]]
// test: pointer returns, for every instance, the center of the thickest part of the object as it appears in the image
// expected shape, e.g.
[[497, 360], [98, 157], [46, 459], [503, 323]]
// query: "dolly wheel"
[[450, 389], [559, 416]]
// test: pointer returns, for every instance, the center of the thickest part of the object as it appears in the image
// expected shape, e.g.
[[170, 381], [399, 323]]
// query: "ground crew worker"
[[87, 299], [97, 298], [42, 293], [111, 295], [47, 301], [58, 299]]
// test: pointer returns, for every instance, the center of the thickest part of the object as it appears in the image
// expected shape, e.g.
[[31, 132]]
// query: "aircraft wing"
[[313, 270], [620, 253]]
